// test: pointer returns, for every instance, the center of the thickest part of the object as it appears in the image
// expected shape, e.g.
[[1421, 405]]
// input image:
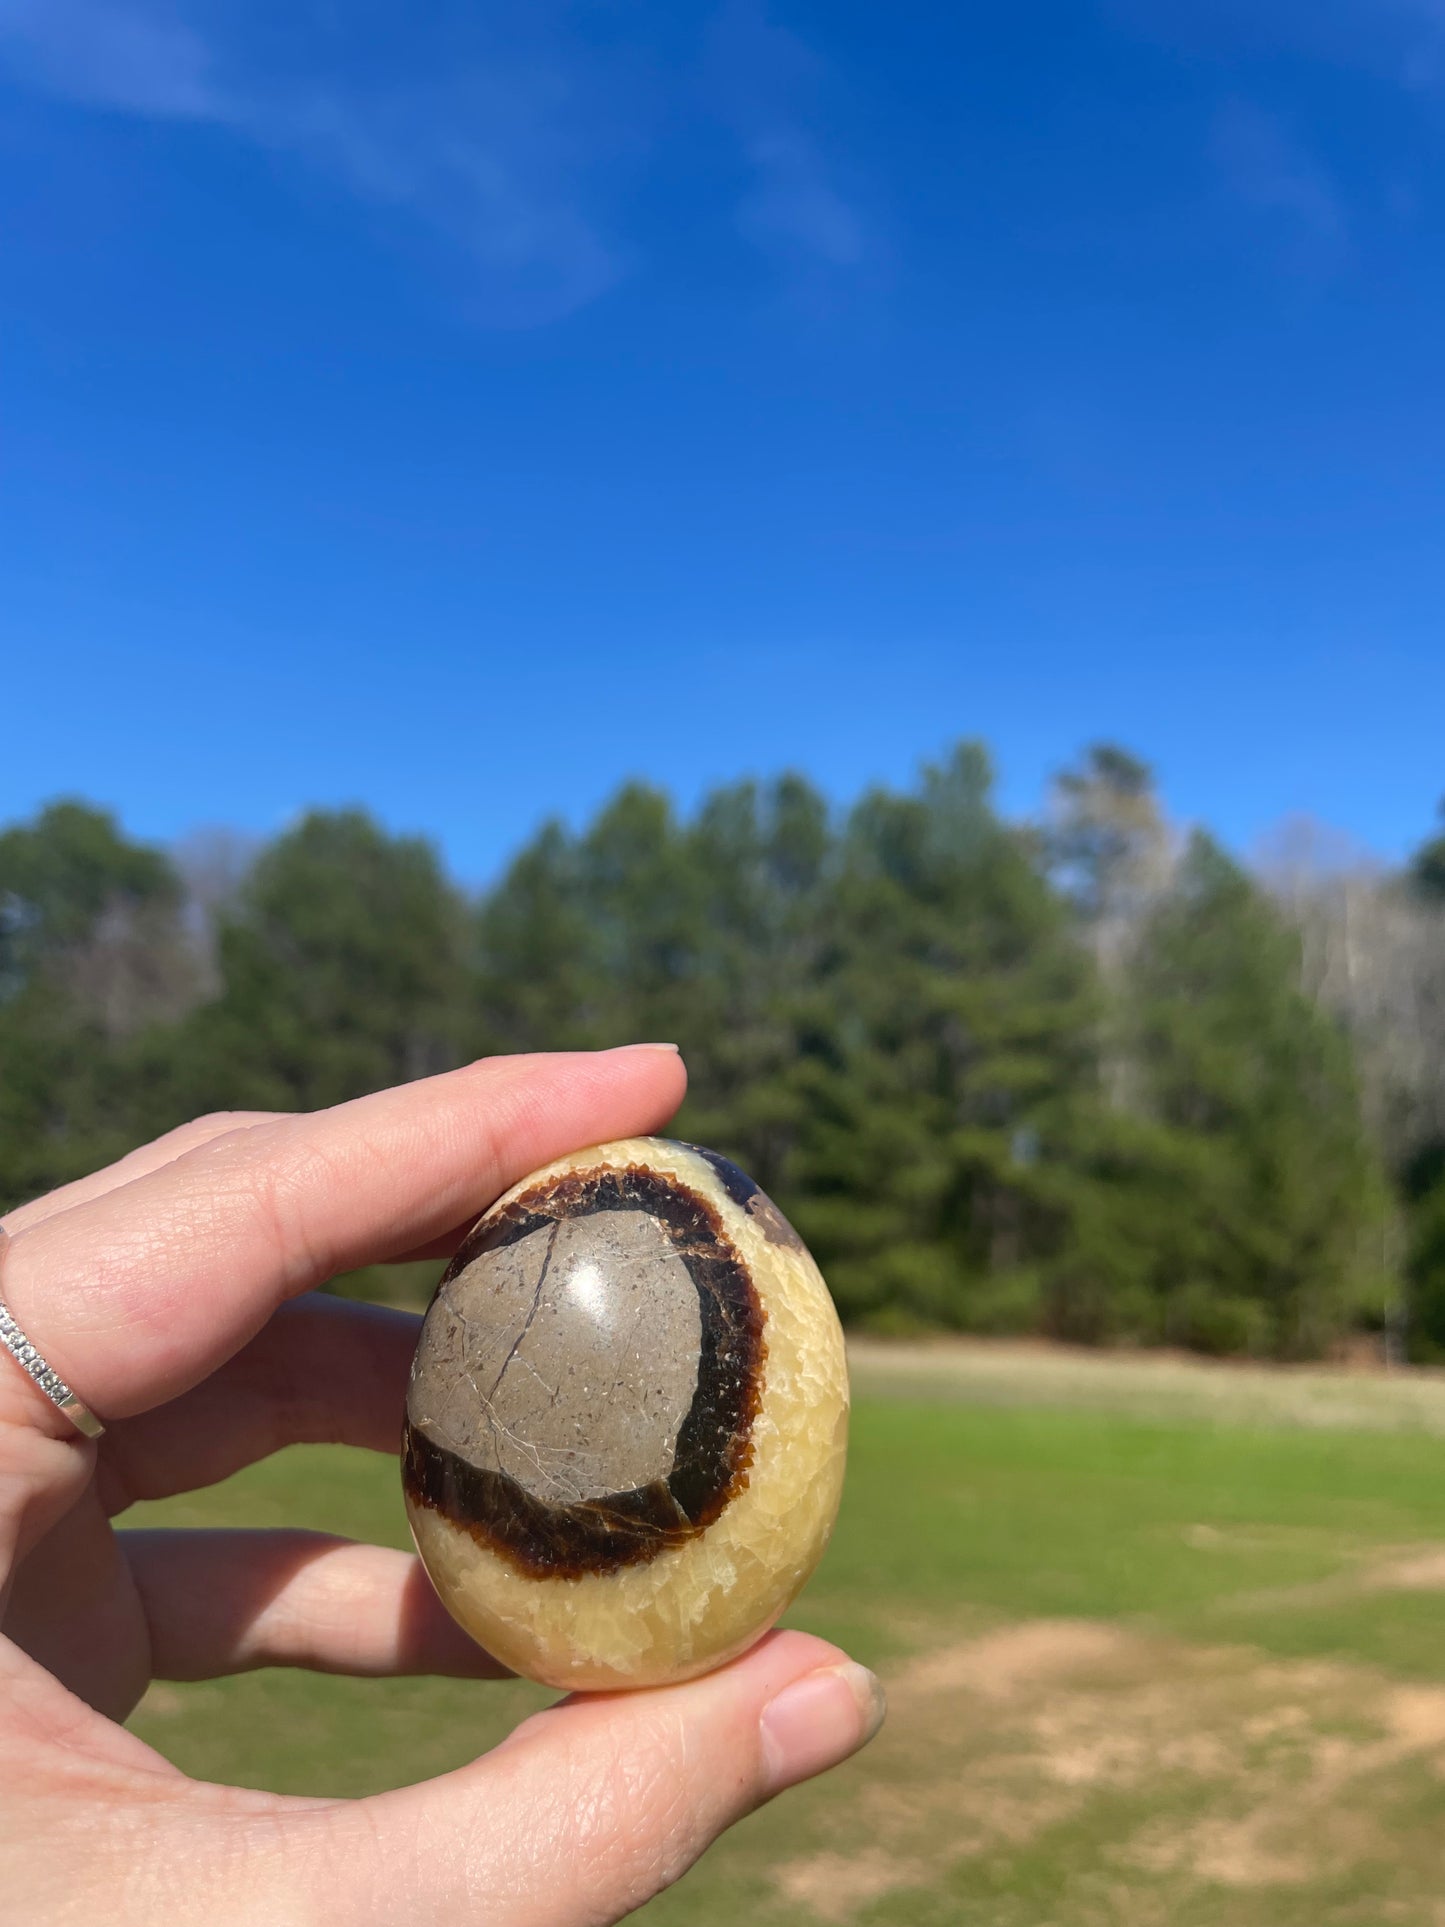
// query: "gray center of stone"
[[567, 1361]]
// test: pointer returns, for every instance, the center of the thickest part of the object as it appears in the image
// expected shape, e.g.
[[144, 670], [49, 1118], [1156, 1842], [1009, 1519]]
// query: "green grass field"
[[1164, 1644]]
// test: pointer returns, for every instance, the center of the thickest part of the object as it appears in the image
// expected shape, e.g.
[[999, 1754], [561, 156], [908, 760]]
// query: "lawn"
[[1163, 1644]]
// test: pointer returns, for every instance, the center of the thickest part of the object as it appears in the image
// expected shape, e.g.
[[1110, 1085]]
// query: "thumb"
[[591, 1808]]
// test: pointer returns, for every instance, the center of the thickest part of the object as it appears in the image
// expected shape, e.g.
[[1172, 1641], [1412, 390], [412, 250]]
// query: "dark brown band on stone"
[[714, 1444], [753, 1199]]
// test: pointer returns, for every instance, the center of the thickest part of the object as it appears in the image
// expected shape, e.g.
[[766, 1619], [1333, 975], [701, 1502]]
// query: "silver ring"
[[43, 1375]]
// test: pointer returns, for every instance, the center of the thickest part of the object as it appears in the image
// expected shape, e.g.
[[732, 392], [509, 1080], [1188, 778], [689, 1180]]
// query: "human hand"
[[172, 1293]]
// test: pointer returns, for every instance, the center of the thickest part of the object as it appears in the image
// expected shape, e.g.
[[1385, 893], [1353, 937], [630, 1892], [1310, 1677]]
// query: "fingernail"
[[618, 1048], [818, 1721]]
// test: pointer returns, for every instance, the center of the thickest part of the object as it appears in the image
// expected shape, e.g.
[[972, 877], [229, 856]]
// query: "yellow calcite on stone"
[[699, 1603]]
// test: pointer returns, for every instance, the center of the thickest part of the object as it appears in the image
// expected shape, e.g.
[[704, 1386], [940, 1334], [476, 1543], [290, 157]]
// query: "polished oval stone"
[[627, 1419]]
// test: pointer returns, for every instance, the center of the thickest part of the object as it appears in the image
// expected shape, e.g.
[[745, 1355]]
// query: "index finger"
[[136, 1295]]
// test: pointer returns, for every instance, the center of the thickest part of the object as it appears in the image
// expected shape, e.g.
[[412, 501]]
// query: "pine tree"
[[93, 956], [1427, 867], [763, 855], [1245, 1176], [343, 970], [538, 983], [949, 1049]]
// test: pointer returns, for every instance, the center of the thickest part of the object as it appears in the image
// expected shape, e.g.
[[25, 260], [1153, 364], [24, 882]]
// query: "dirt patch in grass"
[[1204, 1766], [1420, 1569], [1011, 1659], [1367, 1570], [833, 1886]]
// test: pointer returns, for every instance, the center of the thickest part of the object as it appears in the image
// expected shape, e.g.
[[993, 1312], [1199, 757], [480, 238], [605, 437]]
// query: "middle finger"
[[322, 1371]]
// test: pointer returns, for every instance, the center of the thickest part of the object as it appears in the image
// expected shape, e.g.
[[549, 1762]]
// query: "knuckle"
[[217, 1124], [210, 1131]]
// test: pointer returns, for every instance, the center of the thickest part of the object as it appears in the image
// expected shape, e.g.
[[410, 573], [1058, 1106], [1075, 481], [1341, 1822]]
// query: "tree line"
[[1087, 1077]]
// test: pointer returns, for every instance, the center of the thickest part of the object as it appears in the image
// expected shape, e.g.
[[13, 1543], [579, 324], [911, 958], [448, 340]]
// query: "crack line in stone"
[[536, 1306]]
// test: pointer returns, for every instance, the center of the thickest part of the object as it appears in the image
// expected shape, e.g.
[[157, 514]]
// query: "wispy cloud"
[[106, 54], [1401, 41], [502, 135], [489, 163], [770, 88], [1268, 169], [1424, 52], [792, 203], [496, 159]]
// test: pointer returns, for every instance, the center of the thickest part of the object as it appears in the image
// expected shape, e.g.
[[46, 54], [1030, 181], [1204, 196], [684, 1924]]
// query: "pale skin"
[[173, 1293]]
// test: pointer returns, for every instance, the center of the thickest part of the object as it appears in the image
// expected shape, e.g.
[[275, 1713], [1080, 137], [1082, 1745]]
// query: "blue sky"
[[459, 409]]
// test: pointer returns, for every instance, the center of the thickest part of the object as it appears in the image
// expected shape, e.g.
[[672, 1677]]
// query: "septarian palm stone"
[[627, 1419]]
